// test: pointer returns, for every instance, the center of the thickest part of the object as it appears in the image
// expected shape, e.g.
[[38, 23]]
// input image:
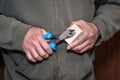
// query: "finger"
[[35, 55], [29, 57], [44, 32], [42, 53], [40, 50], [83, 45], [45, 46], [43, 43], [86, 48], [78, 41]]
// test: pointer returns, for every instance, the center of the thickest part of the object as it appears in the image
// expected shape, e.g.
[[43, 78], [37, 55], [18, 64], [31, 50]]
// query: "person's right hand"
[[35, 47]]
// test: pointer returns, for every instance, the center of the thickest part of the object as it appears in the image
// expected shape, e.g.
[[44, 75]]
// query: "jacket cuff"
[[101, 27], [18, 36]]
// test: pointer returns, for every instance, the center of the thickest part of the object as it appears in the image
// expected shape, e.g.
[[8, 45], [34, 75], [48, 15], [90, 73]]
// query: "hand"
[[87, 40], [34, 46]]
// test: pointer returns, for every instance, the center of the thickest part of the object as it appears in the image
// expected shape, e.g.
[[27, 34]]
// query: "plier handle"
[[59, 37]]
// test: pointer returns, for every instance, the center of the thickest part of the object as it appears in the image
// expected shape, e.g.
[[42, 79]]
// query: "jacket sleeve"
[[12, 33], [107, 19]]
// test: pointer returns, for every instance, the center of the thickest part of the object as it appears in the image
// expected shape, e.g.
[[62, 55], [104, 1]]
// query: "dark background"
[[1, 68], [107, 62]]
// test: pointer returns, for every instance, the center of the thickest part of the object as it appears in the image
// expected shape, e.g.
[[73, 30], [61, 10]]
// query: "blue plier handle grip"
[[49, 36]]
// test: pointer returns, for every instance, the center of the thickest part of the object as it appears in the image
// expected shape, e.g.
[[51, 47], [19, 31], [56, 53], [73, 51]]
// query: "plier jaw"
[[59, 37]]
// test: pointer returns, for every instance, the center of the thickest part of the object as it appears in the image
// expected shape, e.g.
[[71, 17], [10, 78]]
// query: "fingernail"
[[68, 47], [34, 61], [40, 59]]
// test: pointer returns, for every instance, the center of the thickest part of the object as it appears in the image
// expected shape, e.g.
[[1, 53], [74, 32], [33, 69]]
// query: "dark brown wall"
[[107, 62], [1, 68]]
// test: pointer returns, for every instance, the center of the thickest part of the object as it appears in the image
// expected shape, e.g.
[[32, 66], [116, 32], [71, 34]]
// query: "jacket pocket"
[[36, 71], [74, 66]]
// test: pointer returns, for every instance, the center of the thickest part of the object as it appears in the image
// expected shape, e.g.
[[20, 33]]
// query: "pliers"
[[58, 37]]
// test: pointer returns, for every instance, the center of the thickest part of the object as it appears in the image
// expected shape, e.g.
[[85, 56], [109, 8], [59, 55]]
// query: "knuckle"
[[47, 48], [86, 33], [79, 48], [76, 43], [73, 22], [82, 21], [33, 42], [30, 48], [31, 39], [39, 38], [92, 35]]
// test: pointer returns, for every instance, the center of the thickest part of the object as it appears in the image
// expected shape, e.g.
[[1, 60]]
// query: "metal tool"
[[58, 37]]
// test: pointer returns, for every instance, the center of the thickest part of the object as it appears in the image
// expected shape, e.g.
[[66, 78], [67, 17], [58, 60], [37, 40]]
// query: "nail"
[[68, 47]]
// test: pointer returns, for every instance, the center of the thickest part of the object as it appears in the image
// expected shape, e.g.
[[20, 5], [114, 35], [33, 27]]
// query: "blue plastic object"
[[48, 35], [53, 46]]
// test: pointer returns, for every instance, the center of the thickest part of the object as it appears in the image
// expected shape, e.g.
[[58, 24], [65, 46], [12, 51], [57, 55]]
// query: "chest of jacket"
[[49, 14]]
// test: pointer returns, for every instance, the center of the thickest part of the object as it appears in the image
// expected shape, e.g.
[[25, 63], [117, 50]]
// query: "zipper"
[[56, 25]]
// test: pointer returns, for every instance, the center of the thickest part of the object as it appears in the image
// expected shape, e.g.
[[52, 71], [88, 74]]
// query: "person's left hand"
[[87, 40]]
